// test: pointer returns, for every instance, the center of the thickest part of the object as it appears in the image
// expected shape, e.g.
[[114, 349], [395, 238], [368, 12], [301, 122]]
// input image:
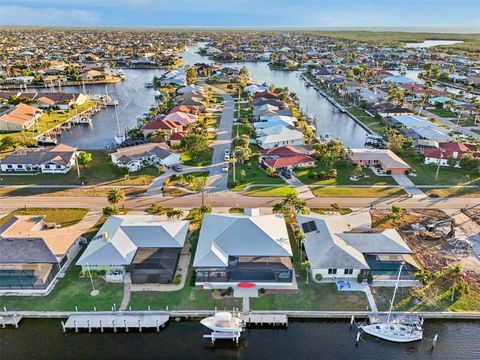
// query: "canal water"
[[134, 99], [44, 339]]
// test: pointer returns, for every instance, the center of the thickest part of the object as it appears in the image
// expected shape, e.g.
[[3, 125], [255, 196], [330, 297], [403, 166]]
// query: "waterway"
[[44, 339]]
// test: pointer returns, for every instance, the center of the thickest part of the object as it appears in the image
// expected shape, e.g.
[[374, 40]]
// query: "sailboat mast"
[[394, 293]]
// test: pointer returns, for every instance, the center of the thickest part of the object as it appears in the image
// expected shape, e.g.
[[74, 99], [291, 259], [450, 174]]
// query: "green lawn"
[[253, 175], [198, 180], [442, 113], [453, 192], [373, 123], [63, 217], [99, 171], [343, 176], [204, 160], [426, 173], [348, 192], [259, 191]]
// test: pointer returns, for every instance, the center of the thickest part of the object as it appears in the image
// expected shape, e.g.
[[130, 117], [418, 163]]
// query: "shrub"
[[110, 210], [318, 277], [321, 175], [216, 293], [434, 194], [369, 278], [261, 291], [230, 291], [360, 278], [177, 280], [193, 279]]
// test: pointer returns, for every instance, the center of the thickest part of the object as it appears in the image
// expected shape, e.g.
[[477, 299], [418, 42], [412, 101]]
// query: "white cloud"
[[22, 15]]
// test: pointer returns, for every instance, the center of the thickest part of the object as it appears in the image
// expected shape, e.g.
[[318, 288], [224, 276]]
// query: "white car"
[[225, 168], [226, 157]]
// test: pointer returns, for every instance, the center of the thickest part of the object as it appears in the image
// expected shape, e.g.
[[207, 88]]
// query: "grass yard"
[[453, 192], [343, 176], [99, 171], [204, 160], [253, 175], [331, 209], [56, 191], [371, 122], [266, 191], [426, 173], [442, 113], [194, 181], [63, 217], [348, 192]]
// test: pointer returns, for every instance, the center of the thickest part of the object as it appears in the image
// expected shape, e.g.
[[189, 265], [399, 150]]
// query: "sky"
[[414, 15]]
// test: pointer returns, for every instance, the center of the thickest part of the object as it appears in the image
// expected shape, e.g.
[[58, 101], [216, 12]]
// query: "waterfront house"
[[343, 246], [270, 110], [181, 118], [170, 127], [143, 245], [137, 157], [268, 121], [249, 247], [285, 157], [387, 109], [63, 101], [447, 150], [279, 135], [18, 118], [59, 159], [32, 256], [92, 75], [381, 161], [417, 127]]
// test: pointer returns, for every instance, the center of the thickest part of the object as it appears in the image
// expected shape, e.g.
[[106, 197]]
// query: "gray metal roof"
[[334, 245], [25, 250], [120, 236], [224, 235]]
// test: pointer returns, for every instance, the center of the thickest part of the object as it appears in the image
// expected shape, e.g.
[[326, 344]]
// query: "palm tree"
[[423, 276], [279, 208], [174, 213], [455, 274], [243, 174], [300, 239], [306, 265], [158, 136], [115, 195]]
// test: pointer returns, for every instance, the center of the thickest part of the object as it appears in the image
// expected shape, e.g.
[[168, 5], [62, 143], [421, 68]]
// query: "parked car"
[[287, 174], [225, 168], [226, 157], [176, 168]]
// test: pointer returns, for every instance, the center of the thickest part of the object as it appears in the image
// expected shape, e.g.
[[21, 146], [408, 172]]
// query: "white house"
[[137, 157], [278, 136], [343, 246], [51, 160], [269, 121]]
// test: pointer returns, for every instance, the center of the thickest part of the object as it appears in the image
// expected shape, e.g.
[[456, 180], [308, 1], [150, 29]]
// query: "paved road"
[[217, 179], [229, 199]]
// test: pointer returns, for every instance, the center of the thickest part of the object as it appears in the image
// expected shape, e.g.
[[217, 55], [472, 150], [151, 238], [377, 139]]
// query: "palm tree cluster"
[[291, 205]]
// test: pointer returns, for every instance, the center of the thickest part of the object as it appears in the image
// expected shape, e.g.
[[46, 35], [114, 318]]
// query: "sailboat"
[[395, 328], [108, 100]]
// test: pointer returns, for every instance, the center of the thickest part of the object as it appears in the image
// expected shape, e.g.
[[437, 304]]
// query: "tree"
[[357, 171], [205, 209], [470, 164], [306, 265], [135, 134], [423, 276], [192, 75], [159, 135], [395, 142], [330, 152], [174, 213], [300, 240], [242, 154], [115, 195], [243, 174], [294, 204], [84, 158], [451, 161], [279, 208], [396, 212], [6, 143], [195, 145], [455, 274]]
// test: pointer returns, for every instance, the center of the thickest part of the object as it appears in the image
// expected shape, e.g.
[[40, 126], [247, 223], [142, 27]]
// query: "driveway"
[[303, 190], [217, 179], [408, 186]]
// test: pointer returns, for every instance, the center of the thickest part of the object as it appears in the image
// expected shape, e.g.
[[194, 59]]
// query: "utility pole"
[[78, 167], [234, 161], [438, 165]]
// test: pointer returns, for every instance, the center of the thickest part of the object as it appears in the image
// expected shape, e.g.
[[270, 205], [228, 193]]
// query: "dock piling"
[[126, 327], [101, 326], [114, 327], [434, 342], [352, 320], [139, 326], [88, 324], [158, 327], [76, 327], [63, 326], [358, 338]]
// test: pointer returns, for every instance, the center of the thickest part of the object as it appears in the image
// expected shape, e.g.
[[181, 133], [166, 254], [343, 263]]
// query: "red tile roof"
[[281, 162]]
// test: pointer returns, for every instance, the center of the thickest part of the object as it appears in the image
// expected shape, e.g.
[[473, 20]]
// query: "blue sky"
[[243, 13]]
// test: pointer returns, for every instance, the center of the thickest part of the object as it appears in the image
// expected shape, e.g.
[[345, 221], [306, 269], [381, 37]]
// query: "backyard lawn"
[[343, 176], [63, 217], [99, 171], [373, 123]]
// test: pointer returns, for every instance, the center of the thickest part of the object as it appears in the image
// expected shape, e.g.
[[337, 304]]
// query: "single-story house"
[[170, 127], [417, 127], [31, 257], [182, 118], [448, 150], [268, 121], [279, 135], [270, 110], [398, 80], [64, 101], [380, 159], [343, 246], [59, 159], [18, 118], [142, 245], [285, 157], [92, 75], [137, 157], [249, 247]]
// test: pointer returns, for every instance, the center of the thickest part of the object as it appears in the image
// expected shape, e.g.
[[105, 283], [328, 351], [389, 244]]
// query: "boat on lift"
[[84, 121], [225, 323], [47, 140], [395, 328]]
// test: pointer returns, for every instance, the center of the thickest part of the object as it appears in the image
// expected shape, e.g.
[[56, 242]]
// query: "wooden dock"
[[265, 319], [116, 320], [10, 320]]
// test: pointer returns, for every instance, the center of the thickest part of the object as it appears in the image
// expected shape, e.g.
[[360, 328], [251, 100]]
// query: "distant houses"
[[444, 151], [59, 159]]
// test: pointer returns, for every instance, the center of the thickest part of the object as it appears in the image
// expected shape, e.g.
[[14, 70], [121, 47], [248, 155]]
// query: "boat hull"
[[371, 330]]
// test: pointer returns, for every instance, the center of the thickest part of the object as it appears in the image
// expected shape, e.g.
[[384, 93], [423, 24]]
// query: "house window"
[[47, 166], [348, 271], [19, 166], [9, 166], [332, 271], [309, 226]]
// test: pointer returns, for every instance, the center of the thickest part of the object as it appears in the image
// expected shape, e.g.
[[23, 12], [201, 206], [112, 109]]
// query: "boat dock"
[[117, 320], [10, 320], [265, 319]]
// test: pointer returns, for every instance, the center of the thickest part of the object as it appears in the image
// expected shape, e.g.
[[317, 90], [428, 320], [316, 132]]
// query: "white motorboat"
[[326, 137], [224, 322], [84, 121], [395, 328], [45, 140]]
